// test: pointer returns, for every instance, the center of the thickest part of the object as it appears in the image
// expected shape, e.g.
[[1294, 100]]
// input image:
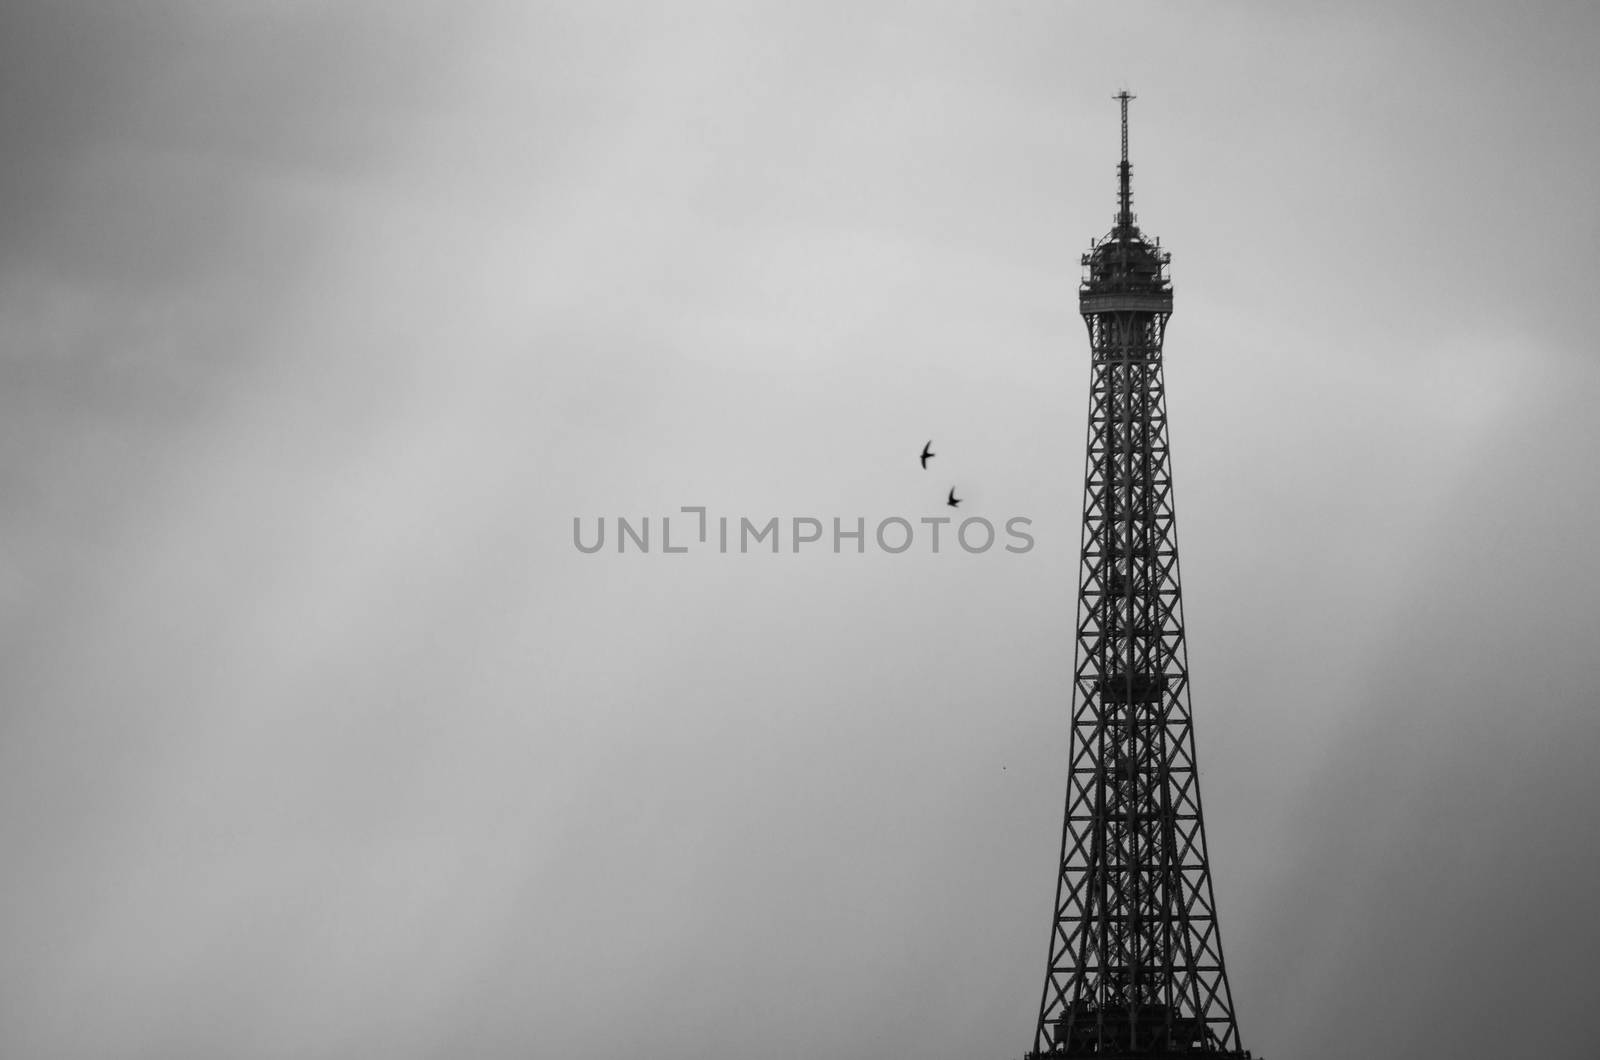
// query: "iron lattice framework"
[[1135, 956]]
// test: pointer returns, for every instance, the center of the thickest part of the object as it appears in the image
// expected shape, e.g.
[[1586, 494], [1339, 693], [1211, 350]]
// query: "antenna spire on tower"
[[1125, 189]]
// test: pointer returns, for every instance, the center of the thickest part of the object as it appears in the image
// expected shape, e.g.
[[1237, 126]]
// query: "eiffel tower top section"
[[1125, 271]]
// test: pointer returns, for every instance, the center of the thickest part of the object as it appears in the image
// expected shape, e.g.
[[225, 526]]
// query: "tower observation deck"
[[1135, 965]]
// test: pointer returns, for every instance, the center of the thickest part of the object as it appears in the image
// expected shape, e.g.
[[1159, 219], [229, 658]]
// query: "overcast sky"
[[320, 323]]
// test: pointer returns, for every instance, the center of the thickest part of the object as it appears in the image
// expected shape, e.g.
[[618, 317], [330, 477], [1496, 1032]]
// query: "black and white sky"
[[321, 322]]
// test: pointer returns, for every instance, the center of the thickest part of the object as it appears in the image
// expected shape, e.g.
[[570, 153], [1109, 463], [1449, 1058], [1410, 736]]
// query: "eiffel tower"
[[1135, 955]]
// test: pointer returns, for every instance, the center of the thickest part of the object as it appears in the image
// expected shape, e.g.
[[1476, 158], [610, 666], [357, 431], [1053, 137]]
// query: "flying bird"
[[954, 501], [927, 451]]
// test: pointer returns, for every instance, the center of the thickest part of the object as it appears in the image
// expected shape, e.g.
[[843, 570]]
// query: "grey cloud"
[[320, 326]]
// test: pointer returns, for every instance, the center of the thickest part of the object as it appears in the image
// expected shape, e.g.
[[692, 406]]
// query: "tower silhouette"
[[1135, 956]]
